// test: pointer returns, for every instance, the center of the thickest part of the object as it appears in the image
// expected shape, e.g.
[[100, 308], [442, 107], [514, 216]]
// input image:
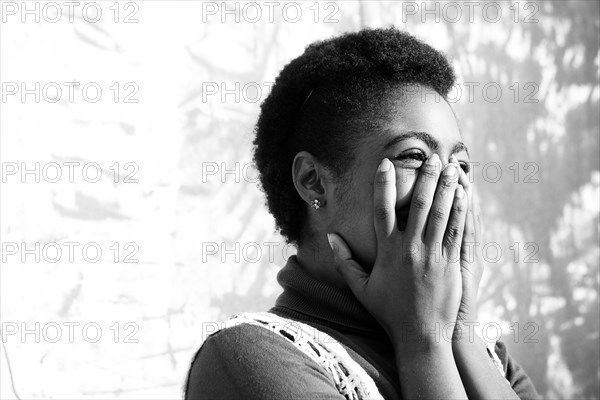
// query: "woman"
[[380, 301]]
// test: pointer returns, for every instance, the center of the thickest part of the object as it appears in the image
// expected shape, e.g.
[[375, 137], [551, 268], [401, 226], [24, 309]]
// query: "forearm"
[[480, 377], [428, 372]]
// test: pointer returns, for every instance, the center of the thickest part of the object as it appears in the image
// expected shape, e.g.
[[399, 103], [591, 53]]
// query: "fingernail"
[[433, 159], [331, 240], [460, 192], [453, 159], [450, 170], [385, 165]]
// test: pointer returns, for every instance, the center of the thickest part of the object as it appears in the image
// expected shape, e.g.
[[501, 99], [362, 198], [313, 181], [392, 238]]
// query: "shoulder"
[[515, 374], [253, 362]]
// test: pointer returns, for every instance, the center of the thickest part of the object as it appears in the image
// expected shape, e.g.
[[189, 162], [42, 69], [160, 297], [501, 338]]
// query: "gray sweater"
[[242, 363]]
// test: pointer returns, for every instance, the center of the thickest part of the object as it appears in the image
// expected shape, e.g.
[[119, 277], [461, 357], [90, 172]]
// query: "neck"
[[316, 259]]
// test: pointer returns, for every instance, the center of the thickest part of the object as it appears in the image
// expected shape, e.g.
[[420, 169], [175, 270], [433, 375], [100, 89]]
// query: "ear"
[[311, 178]]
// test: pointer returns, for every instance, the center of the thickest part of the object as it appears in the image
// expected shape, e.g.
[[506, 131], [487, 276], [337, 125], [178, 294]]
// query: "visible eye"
[[412, 159], [465, 166]]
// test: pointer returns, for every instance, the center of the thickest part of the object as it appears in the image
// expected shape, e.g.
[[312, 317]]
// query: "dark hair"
[[326, 99]]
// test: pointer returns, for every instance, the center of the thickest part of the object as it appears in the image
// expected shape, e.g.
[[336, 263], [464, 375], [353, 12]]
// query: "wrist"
[[423, 353], [417, 340], [464, 331]]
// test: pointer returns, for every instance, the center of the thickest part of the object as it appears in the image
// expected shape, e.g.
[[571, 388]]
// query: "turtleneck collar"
[[321, 303]]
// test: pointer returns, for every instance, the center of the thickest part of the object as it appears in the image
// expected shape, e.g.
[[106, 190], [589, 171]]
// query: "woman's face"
[[420, 126]]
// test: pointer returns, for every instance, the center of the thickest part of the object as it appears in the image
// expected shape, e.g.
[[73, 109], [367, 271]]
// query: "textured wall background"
[[113, 272]]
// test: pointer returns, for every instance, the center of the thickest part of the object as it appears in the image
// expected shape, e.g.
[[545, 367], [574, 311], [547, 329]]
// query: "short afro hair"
[[325, 100]]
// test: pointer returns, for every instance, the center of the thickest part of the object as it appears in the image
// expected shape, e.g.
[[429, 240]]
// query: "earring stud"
[[315, 204]]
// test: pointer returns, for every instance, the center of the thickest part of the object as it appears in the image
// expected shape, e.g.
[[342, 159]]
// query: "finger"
[[339, 246], [463, 178], [469, 244], [423, 197], [384, 202], [477, 217], [442, 204], [352, 273], [456, 224]]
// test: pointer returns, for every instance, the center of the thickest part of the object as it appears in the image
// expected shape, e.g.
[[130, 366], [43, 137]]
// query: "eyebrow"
[[426, 138]]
